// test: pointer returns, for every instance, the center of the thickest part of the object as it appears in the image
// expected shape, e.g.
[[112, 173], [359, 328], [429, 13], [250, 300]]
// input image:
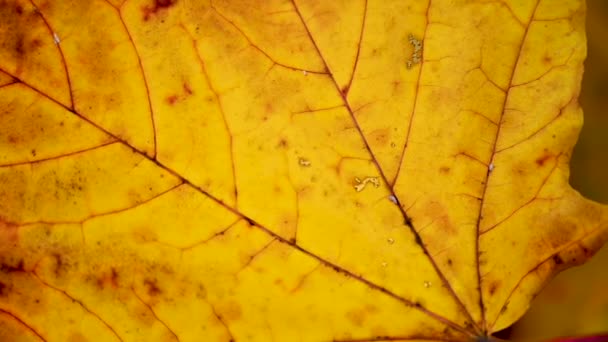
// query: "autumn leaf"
[[286, 170]]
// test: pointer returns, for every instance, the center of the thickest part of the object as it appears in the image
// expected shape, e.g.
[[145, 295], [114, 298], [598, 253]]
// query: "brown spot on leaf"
[[444, 170], [557, 259], [158, 5], [283, 143], [356, 316], [187, 90], [152, 287], [543, 159], [6, 267], [380, 136], [493, 287], [171, 99]]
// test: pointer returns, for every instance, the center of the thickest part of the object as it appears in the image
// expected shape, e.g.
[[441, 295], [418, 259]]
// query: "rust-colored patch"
[[493, 287], [543, 159], [283, 143], [444, 170], [557, 259], [380, 136], [171, 99], [158, 5], [108, 279], [356, 316], [152, 287], [77, 337], [187, 90], [7, 267]]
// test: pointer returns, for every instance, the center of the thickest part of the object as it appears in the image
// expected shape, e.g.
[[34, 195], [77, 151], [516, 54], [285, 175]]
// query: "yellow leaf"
[[287, 171]]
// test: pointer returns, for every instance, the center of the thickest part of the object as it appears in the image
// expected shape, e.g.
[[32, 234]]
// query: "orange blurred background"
[[575, 303]]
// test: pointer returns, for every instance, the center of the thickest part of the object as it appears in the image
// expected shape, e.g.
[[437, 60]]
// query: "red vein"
[[352, 75], [542, 128], [492, 155], [35, 275], [252, 44], [219, 318], [9, 84], [27, 326], [215, 235], [312, 110], [143, 74], [65, 155], [256, 254], [419, 77], [220, 107], [111, 212], [447, 285], [65, 65], [535, 197], [154, 314]]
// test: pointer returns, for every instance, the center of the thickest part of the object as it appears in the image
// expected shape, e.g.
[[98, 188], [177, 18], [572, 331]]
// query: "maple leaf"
[[300, 170]]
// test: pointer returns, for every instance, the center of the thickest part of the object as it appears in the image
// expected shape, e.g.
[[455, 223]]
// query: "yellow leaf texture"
[[305, 170]]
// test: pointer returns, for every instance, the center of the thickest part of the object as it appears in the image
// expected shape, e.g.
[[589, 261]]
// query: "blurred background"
[[575, 303]]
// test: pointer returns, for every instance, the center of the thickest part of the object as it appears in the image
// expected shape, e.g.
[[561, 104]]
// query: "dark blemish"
[[33, 153], [158, 5], [58, 265], [36, 43], [542, 160], [417, 304], [418, 240], [19, 45], [19, 9], [187, 89], [344, 90], [493, 287], [408, 221], [114, 277], [249, 221], [444, 169], [450, 262], [171, 99], [283, 143], [557, 259], [5, 268], [153, 289], [292, 240], [2, 287]]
